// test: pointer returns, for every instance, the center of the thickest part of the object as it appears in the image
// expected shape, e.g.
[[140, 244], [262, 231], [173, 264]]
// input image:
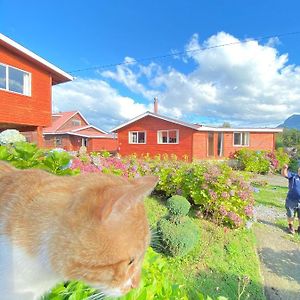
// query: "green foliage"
[[218, 260], [260, 162], [178, 205], [57, 163], [290, 137], [105, 154], [72, 290], [253, 161], [271, 196], [24, 155], [282, 157], [221, 194], [155, 285], [178, 238], [293, 164]]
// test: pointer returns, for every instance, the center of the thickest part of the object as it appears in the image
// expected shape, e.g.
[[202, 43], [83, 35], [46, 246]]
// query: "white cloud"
[[244, 83], [102, 105]]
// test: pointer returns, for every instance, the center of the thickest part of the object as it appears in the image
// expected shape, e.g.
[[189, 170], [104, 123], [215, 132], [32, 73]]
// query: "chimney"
[[155, 105]]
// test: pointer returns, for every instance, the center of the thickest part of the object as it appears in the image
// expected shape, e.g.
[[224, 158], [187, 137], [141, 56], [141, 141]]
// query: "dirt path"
[[279, 256], [280, 263]]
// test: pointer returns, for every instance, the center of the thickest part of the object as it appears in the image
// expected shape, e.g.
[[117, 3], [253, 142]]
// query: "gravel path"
[[279, 256]]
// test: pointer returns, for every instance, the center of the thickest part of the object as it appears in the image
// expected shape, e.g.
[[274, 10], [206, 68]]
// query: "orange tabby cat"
[[90, 227]]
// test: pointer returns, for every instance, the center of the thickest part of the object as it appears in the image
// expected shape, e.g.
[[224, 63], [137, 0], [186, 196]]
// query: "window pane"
[[27, 85], [141, 136], [246, 138], [16, 80], [237, 138], [172, 136], [133, 137], [76, 122], [2, 77], [164, 136]]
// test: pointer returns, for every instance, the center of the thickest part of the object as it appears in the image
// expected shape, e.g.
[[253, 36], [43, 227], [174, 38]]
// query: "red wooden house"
[[153, 134], [70, 131], [26, 80]]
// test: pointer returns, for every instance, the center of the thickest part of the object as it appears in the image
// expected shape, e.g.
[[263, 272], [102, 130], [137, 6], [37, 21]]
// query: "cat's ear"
[[119, 200]]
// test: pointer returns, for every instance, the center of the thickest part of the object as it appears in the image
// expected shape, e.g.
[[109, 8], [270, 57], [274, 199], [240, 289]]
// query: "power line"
[[179, 53]]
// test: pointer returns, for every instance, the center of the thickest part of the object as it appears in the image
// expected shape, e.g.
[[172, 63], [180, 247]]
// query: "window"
[[168, 136], [15, 80], [137, 137], [76, 123], [58, 141], [241, 138]]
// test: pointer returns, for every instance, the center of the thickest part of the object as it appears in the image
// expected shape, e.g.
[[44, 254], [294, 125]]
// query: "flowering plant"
[[11, 136]]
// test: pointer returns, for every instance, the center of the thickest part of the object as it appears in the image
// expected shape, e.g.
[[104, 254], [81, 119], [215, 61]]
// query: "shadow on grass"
[[229, 286], [275, 225]]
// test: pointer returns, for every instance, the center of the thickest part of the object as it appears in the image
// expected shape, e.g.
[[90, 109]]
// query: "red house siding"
[[257, 141], [151, 125], [110, 145], [34, 110]]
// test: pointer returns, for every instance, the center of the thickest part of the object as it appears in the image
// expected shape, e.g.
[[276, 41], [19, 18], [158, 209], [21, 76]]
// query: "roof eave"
[[58, 75]]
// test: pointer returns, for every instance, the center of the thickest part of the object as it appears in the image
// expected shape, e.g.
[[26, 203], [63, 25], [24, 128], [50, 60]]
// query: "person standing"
[[292, 202]]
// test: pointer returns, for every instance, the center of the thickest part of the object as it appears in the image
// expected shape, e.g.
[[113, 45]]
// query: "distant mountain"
[[291, 122]]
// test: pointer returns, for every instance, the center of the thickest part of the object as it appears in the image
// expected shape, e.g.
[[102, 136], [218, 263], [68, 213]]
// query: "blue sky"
[[250, 83]]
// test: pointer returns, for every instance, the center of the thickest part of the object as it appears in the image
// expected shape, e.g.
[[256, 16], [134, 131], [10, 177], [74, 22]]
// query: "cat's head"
[[105, 234]]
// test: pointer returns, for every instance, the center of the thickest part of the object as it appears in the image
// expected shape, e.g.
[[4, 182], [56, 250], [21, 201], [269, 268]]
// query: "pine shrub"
[[178, 205], [178, 233], [178, 238]]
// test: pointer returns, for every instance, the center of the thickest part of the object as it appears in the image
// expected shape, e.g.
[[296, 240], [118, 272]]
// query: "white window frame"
[[242, 133], [76, 122], [130, 141], [28, 94], [159, 140]]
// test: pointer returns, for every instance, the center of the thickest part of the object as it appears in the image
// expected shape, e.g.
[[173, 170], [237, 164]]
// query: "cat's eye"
[[131, 261]]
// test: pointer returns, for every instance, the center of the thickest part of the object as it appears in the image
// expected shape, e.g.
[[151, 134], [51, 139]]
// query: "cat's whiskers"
[[97, 296]]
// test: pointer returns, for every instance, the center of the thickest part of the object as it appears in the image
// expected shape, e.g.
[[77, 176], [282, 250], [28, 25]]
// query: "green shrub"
[[178, 205], [178, 238], [222, 195], [253, 161], [261, 162], [177, 232], [25, 155], [282, 157]]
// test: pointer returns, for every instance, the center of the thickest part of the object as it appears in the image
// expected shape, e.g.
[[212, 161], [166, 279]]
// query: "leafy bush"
[[11, 136], [178, 238], [282, 158], [178, 205], [253, 161], [221, 194], [178, 234], [24, 155], [261, 162]]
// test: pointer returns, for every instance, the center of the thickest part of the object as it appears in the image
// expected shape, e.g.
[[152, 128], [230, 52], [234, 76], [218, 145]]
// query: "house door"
[[210, 140], [84, 142], [220, 144]]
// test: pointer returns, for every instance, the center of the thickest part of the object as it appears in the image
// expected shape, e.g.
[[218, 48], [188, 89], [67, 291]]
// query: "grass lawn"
[[271, 196], [223, 263]]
